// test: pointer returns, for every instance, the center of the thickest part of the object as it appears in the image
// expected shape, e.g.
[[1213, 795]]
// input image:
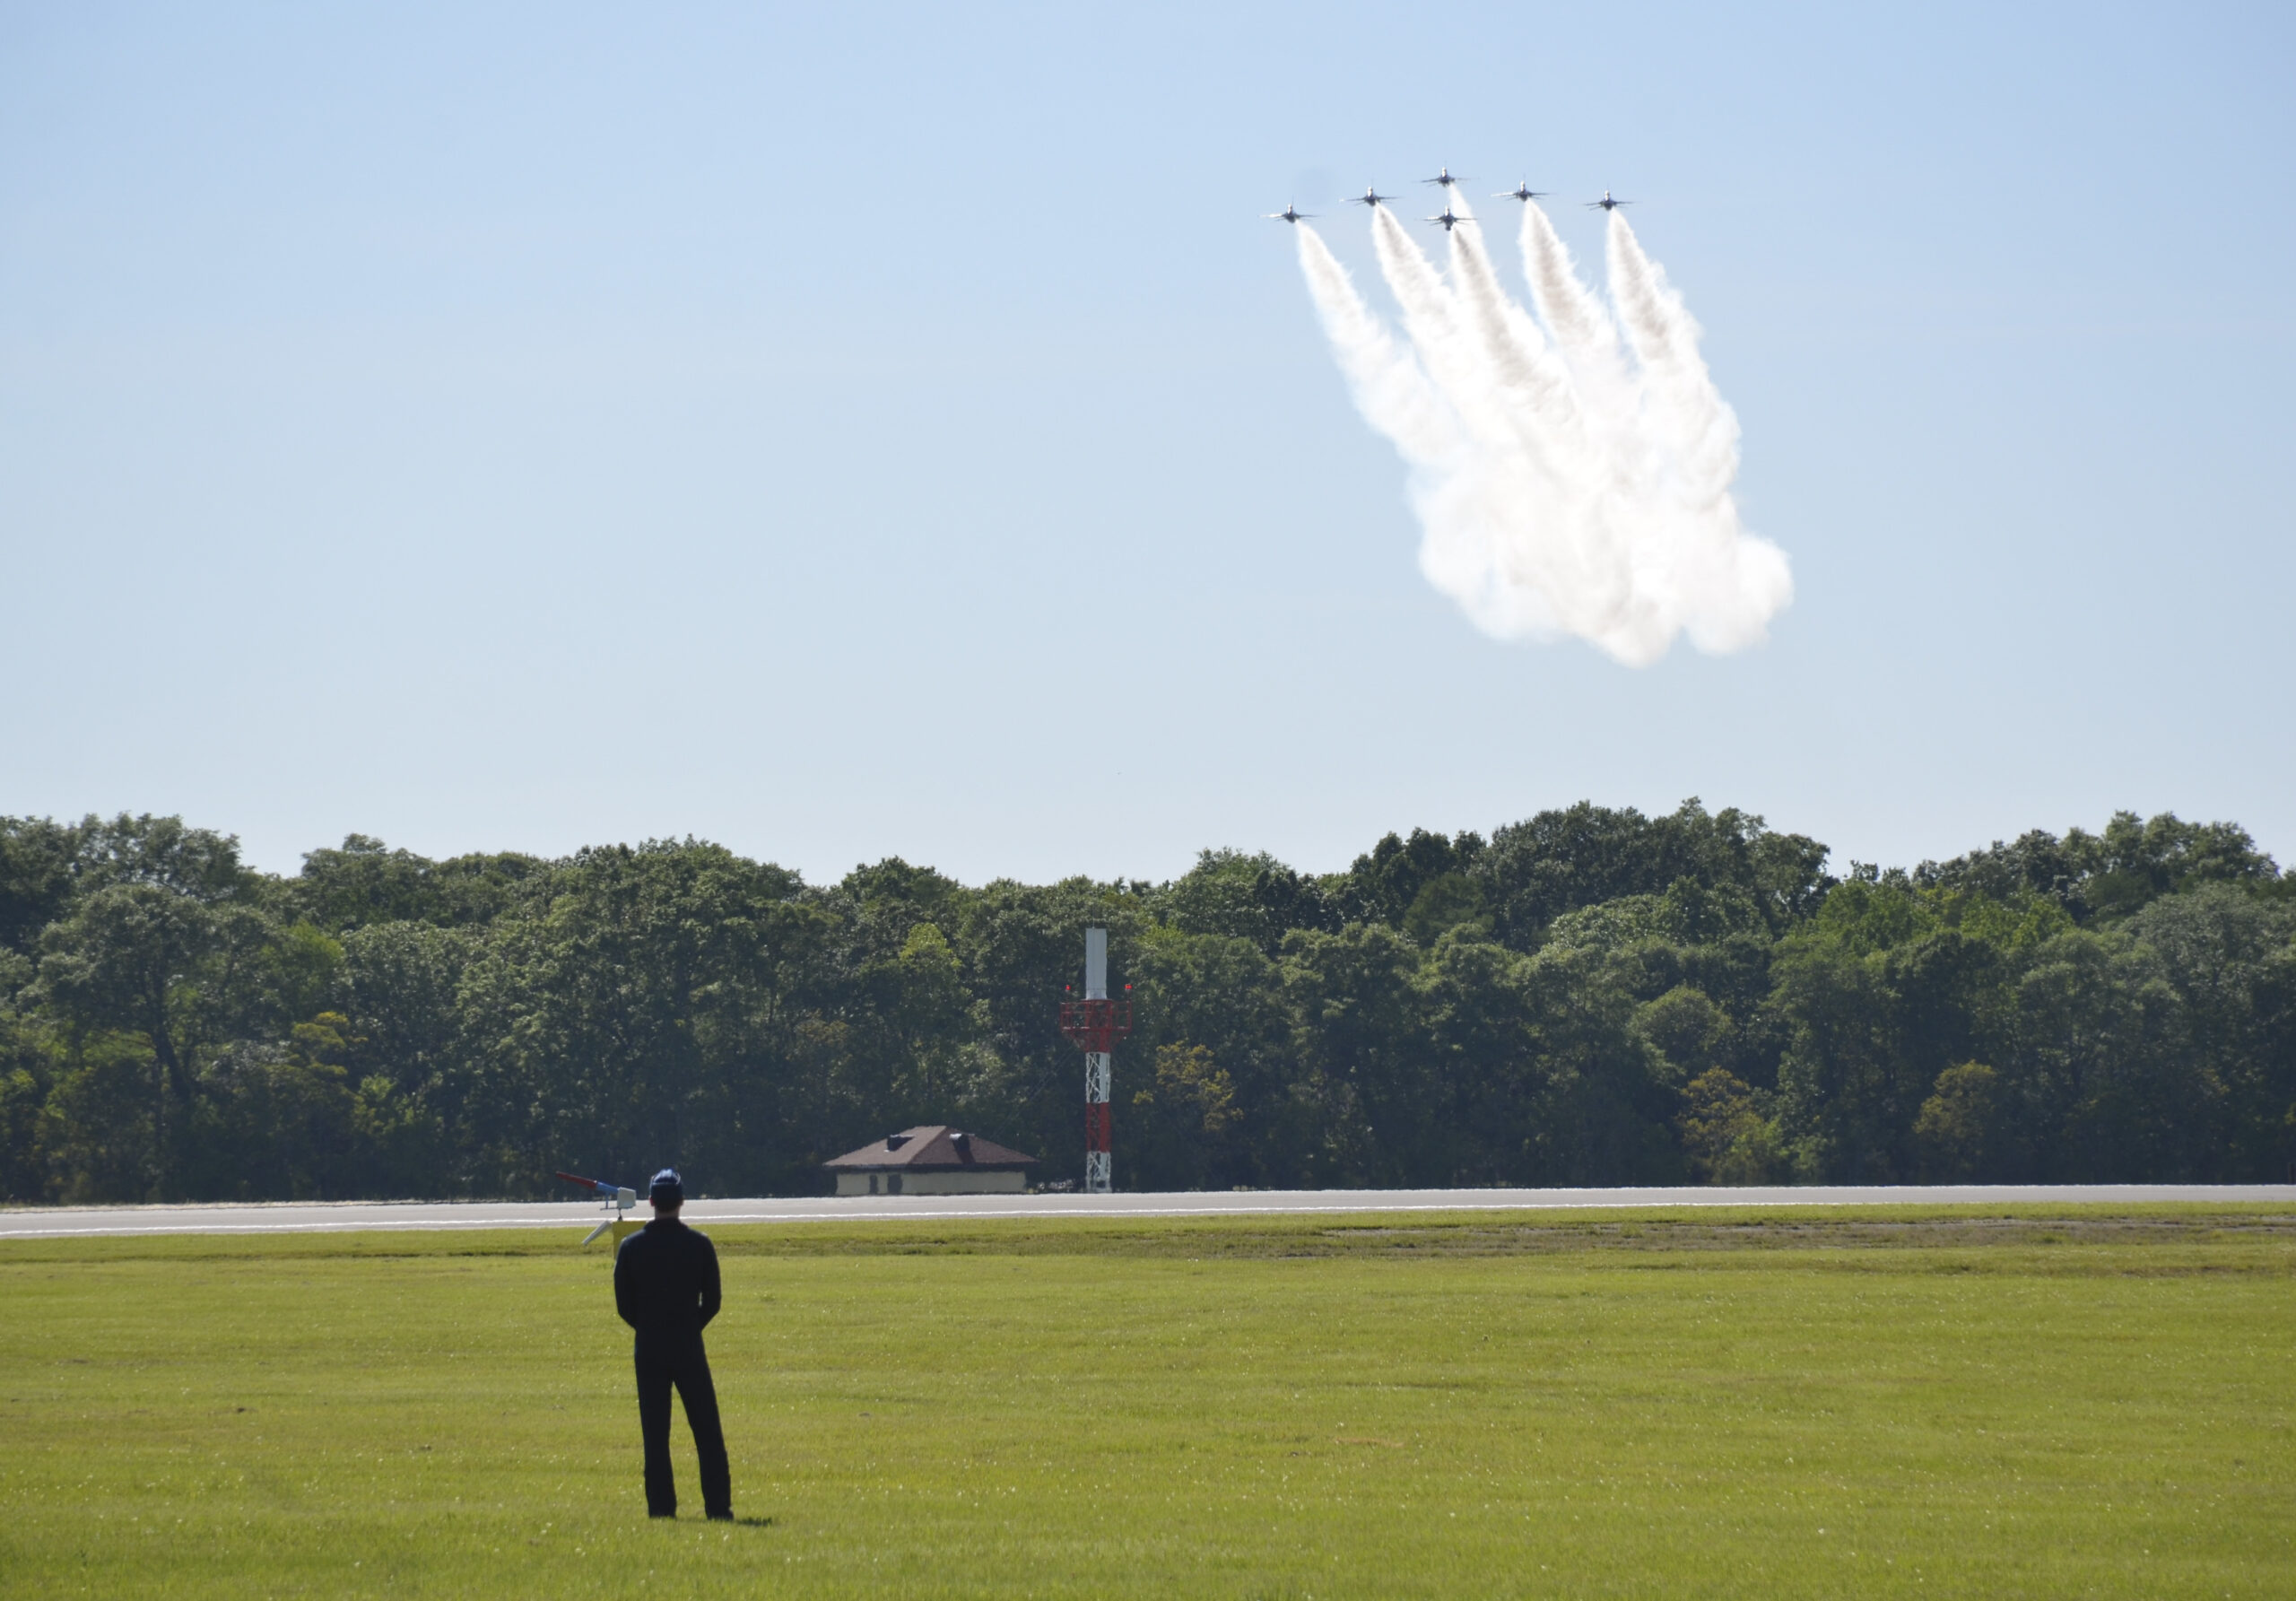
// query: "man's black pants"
[[667, 1360]]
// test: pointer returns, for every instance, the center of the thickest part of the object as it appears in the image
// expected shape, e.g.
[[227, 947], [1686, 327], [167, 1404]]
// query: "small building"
[[933, 1159]]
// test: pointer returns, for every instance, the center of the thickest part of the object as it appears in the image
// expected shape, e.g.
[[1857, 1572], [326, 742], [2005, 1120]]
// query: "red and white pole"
[[1097, 1124], [1096, 1022]]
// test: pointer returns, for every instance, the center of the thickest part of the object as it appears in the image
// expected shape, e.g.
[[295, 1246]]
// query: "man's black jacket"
[[665, 1279]]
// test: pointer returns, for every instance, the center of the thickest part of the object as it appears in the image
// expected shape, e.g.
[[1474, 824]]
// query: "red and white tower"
[[1096, 1022]]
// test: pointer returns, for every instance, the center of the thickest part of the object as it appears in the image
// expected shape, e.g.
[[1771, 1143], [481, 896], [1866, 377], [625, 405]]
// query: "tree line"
[[1590, 997]]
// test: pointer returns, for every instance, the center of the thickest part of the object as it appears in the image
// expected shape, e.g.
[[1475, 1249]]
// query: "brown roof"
[[931, 1145]]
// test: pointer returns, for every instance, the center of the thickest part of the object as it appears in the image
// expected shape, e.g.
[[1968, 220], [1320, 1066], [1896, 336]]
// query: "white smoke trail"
[[1559, 488], [1390, 389], [1696, 432]]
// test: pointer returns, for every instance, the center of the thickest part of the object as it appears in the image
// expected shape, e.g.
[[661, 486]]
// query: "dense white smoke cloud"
[[1561, 487]]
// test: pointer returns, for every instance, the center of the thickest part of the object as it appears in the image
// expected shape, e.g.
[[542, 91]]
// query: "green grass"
[[2069, 1402]]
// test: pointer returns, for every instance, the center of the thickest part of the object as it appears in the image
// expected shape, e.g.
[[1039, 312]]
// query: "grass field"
[[2078, 1402]]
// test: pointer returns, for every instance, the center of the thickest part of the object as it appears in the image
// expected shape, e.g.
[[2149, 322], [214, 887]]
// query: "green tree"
[[365, 884], [99, 1133], [1385, 884], [1586, 855], [1956, 1126], [1689, 1030], [1241, 896], [163, 852], [1221, 993], [277, 1121], [127, 960], [2133, 863], [2231, 957], [642, 1015], [1725, 1136], [39, 859], [2098, 1084], [1179, 1117], [402, 984], [1591, 996], [1358, 1025], [27, 1077]]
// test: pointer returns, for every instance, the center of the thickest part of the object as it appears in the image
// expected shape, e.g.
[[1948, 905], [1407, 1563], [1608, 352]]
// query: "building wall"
[[957, 1181]]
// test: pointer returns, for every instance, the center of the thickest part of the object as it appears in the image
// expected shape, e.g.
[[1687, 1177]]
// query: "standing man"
[[666, 1287]]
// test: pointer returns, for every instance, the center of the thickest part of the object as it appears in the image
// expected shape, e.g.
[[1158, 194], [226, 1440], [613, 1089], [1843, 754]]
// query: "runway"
[[290, 1217]]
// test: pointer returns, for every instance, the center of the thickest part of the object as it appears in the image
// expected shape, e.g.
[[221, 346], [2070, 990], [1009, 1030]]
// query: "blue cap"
[[666, 1187]]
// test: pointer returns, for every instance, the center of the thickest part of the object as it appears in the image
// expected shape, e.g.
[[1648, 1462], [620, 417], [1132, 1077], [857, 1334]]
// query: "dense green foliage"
[[1590, 997]]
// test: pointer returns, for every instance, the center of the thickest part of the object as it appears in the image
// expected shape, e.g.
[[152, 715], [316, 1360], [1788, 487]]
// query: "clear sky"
[[844, 432]]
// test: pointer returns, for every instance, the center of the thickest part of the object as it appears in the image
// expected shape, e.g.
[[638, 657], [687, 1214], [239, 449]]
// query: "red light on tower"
[[1096, 1022]]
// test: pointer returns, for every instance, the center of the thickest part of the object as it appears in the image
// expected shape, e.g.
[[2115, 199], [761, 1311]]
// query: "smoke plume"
[[1570, 470]]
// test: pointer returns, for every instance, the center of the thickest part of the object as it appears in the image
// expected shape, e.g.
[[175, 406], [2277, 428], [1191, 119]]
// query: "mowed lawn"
[[2088, 1403]]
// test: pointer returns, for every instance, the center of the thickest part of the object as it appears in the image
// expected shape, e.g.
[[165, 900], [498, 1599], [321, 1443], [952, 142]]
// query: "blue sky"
[[854, 431]]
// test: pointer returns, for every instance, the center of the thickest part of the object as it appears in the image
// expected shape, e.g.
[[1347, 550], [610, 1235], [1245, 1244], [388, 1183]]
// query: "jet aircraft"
[[1442, 179], [1522, 192], [1289, 214], [1607, 204], [1448, 220], [1369, 196], [618, 1199]]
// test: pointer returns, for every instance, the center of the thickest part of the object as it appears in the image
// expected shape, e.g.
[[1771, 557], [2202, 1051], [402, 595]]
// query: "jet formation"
[[1444, 181]]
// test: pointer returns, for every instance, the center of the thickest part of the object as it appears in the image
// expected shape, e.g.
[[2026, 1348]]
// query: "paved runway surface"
[[28, 1222]]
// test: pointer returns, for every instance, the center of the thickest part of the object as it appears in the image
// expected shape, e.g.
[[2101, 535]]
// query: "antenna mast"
[[1096, 1022]]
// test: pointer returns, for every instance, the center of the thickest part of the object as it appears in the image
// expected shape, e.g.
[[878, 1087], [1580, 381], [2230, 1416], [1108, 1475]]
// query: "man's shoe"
[[725, 1516]]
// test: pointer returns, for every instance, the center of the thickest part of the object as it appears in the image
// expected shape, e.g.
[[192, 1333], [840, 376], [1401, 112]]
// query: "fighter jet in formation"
[[1443, 179]]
